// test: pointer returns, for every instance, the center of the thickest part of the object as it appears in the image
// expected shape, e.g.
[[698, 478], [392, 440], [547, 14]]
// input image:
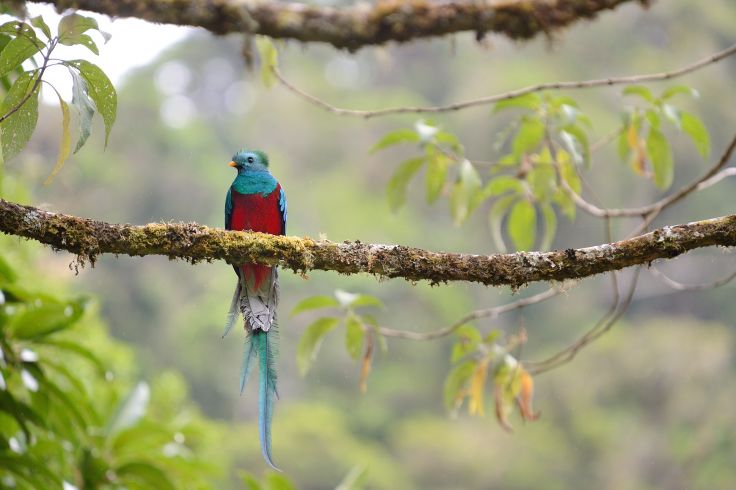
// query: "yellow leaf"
[[477, 383], [365, 368], [524, 399]]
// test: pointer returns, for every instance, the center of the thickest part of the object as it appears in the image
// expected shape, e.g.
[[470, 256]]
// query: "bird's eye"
[[251, 159]]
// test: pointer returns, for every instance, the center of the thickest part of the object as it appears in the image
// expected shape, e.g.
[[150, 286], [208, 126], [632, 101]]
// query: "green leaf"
[[76, 349], [445, 138], [39, 23], [463, 198], [85, 107], [527, 101], [694, 128], [437, 166], [396, 190], [44, 319], [366, 300], [88, 43], [72, 26], [469, 338], [145, 474], [16, 52], [313, 303], [530, 134], [542, 179], [276, 481], [101, 91], [577, 143], [354, 334], [308, 347], [641, 91], [679, 89], [250, 481], [65, 147], [652, 117], [550, 226], [522, 224], [18, 127], [403, 135], [672, 114], [269, 57], [454, 383], [622, 145], [503, 184], [660, 154], [568, 171], [131, 409], [495, 218]]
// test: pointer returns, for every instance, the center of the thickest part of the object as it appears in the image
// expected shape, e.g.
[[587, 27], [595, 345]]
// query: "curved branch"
[[359, 25], [89, 238], [492, 99]]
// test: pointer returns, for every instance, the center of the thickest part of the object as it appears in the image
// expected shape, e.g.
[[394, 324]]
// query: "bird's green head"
[[249, 159]]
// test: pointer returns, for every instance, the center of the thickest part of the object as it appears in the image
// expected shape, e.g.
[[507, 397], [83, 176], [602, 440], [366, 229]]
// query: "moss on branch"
[[89, 238], [363, 24]]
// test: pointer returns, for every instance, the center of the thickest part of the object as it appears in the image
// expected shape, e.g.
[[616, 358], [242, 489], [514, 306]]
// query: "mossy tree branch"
[[360, 25], [89, 238]]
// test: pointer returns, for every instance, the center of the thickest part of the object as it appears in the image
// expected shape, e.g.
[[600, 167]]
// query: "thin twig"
[[679, 286], [494, 312], [490, 99], [606, 322]]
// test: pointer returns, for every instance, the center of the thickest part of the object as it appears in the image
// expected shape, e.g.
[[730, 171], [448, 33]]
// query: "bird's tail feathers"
[[232, 315], [266, 345]]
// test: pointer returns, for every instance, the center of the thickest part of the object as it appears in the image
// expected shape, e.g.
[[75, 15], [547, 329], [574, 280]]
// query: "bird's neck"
[[254, 181]]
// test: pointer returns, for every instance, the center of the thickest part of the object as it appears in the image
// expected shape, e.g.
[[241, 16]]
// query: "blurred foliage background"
[[648, 406]]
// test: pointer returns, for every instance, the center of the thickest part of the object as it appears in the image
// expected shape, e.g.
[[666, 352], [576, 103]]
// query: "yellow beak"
[[232, 164]]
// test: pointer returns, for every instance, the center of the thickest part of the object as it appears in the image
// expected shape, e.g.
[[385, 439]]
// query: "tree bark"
[[362, 24], [89, 238]]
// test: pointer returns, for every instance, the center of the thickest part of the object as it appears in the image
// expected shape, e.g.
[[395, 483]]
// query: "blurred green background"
[[648, 406]]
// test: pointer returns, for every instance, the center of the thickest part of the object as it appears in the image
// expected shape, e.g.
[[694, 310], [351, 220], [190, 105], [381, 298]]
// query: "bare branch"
[[606, 322], [679, 286], [89, 238], [491, 99], [494, 312], [359, 25]]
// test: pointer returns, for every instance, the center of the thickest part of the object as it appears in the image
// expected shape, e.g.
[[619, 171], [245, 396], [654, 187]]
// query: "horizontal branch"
[[359, 25], [89, 238]]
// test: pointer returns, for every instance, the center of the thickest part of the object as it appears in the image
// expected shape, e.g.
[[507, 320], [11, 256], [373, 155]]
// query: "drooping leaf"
[[39, 23], [542, 180], [402, 135], [577, 142], [568, 171], [679, 89], [277, 481], [522, 224], [464, 191], [660, 154], [65, 147], [315, 302], [44, 319], [85, 107], [530, 101], [641, 91], [467, 342], [18, 127], [73, 26], [672, 114], [396, 190], [530, 134], [145, 474], [693, 127], [495, 219], [367, 360], [17, 51], [269, 58], [101, 91], [455, 383], [526, 393], [477, 388], [308, 347], [550, 226], [354, 333], [131, 409], [437, 166]]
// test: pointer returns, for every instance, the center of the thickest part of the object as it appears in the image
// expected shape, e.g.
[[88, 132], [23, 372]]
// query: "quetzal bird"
[[256, 201]]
